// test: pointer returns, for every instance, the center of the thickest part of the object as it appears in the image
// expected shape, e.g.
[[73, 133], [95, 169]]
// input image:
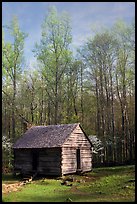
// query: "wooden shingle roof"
[[45, 136]]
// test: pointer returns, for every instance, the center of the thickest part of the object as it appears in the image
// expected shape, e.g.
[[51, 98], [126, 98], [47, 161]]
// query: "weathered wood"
[[69, 156], [76, 140], [48, 168], [68, 160], [49, 160], [51, 165]]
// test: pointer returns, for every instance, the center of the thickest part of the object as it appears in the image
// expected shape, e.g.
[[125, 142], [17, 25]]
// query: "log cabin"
[[54, 150]]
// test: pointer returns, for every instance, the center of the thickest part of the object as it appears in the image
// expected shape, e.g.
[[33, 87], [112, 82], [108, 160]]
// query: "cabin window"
[[78, 158]]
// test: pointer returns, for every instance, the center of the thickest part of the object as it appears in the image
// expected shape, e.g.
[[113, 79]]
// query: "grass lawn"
[[110, 184]]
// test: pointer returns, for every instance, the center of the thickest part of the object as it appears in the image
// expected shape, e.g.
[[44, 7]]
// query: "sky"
[[85, 17]]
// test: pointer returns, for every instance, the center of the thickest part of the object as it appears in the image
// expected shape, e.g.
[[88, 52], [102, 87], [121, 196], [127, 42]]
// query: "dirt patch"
[[75, 190], [7, 188], [89, 178]]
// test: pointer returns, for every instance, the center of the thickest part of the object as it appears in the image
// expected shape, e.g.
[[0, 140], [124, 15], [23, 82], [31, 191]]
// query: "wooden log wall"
[[69, 162], [22, 160], [50, 161]]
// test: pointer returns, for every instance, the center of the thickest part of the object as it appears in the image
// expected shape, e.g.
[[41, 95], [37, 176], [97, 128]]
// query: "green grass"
[[111, 184]]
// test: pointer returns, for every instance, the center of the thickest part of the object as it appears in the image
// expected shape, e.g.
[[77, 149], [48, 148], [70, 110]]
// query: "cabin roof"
[[45, 136]]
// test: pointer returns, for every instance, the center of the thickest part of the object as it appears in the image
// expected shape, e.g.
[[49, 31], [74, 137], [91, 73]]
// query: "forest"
[[94, 86]]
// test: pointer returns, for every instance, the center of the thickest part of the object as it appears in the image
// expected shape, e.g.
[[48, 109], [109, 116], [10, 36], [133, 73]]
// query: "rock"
[[68, 200], [63, 183], [125, 187], [69, 184], [21, 184], [66, 183], [131, 180], [70, 179]]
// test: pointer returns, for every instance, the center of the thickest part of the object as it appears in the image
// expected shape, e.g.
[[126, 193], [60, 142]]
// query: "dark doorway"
[[35, 160], [78, 159]]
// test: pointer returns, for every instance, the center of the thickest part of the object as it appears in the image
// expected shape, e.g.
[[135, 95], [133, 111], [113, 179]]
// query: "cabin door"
[[35, 160], [78, 159]]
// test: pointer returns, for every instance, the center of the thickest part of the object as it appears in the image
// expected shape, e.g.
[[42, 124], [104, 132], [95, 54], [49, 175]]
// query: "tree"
[[12, 56], [53, 54], [98, 149], [6, 156], [124, 72], [98, 55], [109, 61]]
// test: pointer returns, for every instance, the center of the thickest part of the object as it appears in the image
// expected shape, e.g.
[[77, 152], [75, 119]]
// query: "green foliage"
[[12, 53], [54, 55]]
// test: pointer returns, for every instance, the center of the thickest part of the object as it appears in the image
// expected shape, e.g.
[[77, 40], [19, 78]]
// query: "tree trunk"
[[81, 101], [13, 106], [98, 109], [56, 92], [49, 112], [112, 116]]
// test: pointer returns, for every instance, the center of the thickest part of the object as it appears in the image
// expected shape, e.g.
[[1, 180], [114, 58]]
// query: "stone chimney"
[[26, 126]]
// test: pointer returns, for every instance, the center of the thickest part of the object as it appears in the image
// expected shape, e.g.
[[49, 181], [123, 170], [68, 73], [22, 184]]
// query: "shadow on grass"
[[113, 170], [61, 197], [11, 177]]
